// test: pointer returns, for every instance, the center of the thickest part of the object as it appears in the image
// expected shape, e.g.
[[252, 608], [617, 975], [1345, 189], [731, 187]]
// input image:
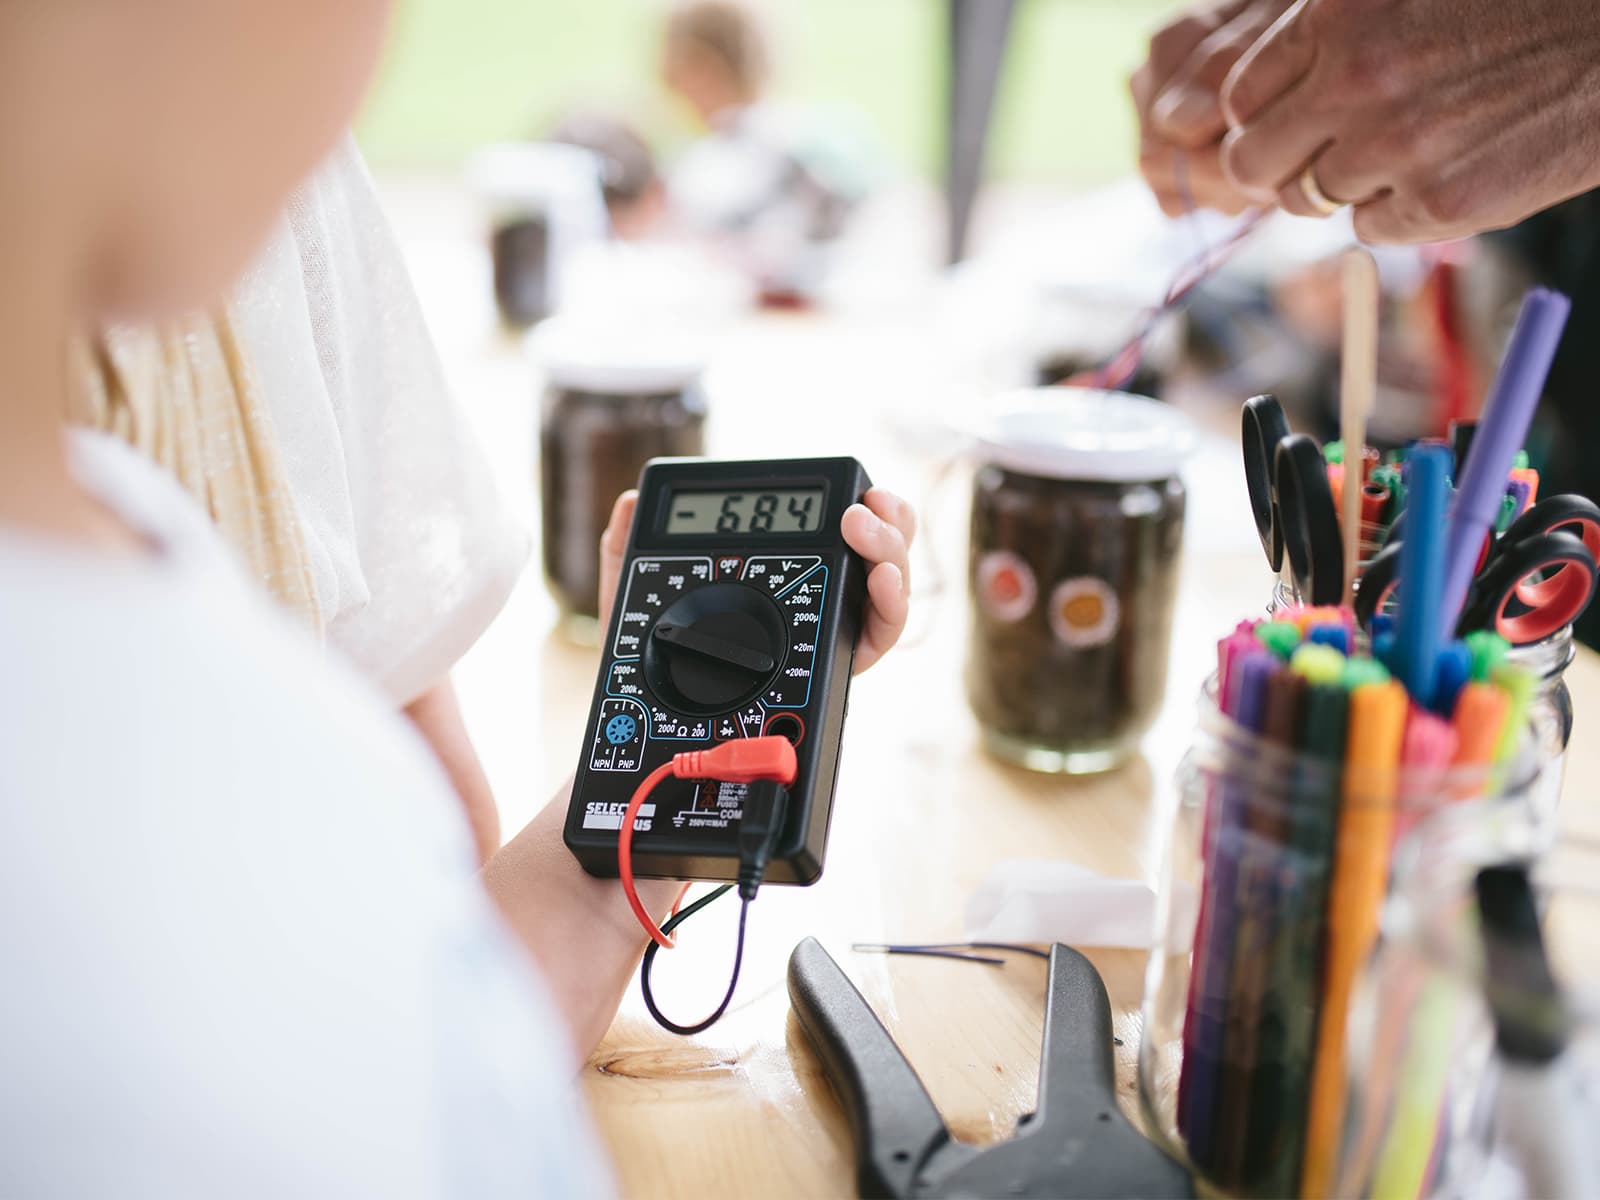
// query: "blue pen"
[[1336, 636], [1213, 955], [1422, 560], [1451, 675], [1506, 416]]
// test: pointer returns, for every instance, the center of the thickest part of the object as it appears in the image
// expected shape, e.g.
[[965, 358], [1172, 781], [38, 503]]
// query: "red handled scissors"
[[1536, 578]]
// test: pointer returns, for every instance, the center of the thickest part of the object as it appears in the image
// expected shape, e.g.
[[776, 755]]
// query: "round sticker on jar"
[[1084, 612], [1006, 586]]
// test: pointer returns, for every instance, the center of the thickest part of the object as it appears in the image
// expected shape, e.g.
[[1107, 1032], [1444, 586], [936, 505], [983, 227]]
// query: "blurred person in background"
[[308, 414], [244, 954], [772, 183], [635, 195]]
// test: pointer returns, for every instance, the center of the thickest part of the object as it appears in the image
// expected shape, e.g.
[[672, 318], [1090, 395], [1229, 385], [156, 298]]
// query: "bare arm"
[[578, 928], [437, 717]]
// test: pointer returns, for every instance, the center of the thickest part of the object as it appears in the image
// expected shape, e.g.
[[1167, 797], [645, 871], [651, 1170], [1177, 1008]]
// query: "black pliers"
[[1077, 1143]]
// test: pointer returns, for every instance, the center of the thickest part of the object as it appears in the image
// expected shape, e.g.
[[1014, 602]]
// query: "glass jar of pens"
[[1475, 1041], [1338, 524], [1307, 766]]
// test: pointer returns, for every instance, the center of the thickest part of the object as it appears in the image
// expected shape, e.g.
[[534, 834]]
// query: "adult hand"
[[880, 529], [1177, 96], [1435, 118]]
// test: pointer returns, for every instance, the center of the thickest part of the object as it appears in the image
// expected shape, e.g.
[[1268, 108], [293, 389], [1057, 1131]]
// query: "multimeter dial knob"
[[715, 649]]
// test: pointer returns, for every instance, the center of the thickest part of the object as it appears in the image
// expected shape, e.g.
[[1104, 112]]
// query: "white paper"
[[1051, 900]]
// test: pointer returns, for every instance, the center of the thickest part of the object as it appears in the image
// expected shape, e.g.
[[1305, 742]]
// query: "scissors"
[[1292, 503], [1534, 579]]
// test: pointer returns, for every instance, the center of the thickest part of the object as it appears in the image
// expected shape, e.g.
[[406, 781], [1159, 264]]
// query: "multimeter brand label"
[[599, 815]]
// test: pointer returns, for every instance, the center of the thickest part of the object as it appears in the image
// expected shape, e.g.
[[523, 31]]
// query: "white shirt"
[[411, 551], [241, 949]]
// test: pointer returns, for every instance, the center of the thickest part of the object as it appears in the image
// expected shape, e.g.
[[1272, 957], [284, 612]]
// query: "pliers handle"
[[1078, 1143]]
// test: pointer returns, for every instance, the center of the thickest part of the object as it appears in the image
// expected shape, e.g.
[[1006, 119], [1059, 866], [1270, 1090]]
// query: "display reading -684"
[[753, 511]]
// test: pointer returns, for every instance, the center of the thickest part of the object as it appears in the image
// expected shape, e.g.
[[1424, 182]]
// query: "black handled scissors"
[[1077, 1143], [1537, 577], [1292, 503]]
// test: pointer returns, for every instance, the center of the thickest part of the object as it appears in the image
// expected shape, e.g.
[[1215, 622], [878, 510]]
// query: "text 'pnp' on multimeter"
[[736, 617]]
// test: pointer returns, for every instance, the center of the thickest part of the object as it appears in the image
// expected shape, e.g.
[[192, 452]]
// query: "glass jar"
[[1277, 866], [544, 201], [1471, 1076], [1548, 661], [611, 403], [1076, 534]]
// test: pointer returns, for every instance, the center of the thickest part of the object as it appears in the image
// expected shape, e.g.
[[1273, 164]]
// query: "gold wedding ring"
[[1311, 189]]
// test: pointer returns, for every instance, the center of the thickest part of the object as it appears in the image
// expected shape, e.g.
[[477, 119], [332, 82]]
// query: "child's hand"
[[880, 530], [613, 545]]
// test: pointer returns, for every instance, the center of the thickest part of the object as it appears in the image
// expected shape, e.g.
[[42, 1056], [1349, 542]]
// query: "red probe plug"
[[740, 762], [744, 761]]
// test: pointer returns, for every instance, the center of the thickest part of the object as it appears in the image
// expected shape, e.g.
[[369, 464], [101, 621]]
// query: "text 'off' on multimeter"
[[736, 617]]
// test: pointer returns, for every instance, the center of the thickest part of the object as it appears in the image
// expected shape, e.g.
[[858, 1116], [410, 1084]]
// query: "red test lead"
[[747, 761]]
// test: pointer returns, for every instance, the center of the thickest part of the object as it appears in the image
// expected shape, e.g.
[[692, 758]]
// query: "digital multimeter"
[[736, 617]]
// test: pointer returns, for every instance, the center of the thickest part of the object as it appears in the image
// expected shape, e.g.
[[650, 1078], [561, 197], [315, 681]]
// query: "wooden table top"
[[921, 812]]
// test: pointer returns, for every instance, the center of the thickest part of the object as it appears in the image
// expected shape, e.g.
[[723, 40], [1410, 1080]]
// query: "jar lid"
[[592, 356], [1083, 433]]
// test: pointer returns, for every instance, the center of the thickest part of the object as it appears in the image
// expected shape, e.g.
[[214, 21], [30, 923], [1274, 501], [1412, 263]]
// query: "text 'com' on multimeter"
[[736, 617]]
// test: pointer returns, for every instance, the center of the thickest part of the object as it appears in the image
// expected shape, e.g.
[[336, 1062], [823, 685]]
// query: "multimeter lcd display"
[[748, 511]]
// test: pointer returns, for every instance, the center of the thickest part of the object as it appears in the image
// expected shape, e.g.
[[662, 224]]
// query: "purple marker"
[[1519, 490], [1506, 417], [1211, 966]]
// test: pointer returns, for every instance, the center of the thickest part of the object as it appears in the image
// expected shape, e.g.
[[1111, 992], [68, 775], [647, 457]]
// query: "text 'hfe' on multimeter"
[[736, 617]]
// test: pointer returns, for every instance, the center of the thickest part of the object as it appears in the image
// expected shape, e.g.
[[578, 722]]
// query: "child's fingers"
[[894, 509], [875, 539], [613, 545], [888, 606], [615, 539]]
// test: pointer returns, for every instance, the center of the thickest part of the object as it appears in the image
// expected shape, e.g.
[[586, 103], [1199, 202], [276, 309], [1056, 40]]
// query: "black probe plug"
[[765, 807]]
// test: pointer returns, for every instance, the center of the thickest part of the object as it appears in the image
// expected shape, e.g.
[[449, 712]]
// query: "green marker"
[[1281, 637], [1333, 452], [1280, 1087], [1320, 664], [1359, 672], [1488, 651], [1508, 510], [1518, 686]]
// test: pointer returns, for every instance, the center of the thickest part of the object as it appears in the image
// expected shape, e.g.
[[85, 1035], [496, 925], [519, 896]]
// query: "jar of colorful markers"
[[1307, 768], [1474, 1044]]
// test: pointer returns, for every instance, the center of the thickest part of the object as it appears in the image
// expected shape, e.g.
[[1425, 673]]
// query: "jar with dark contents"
[[519, 249], [1076, 539], [611, 404], [542, 202]]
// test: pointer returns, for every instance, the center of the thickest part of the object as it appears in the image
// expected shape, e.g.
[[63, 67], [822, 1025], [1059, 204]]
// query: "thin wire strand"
[[1120, 369], [930, 947], [924, 952]]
